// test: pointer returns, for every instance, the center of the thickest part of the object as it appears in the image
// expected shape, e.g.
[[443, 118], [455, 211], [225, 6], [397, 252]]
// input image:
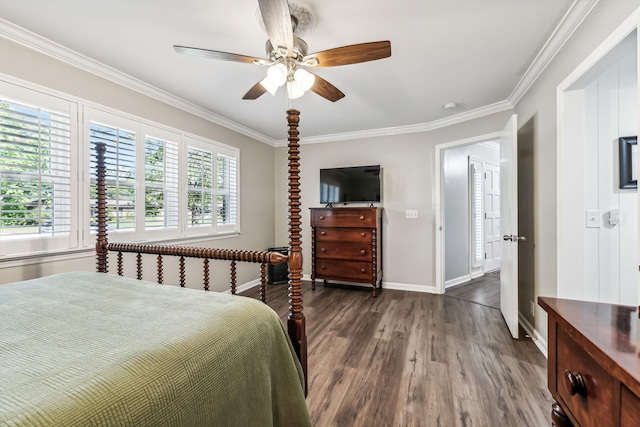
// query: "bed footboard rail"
[[233, 256]]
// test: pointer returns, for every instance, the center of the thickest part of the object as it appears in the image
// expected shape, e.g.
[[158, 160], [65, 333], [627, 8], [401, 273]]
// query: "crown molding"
[[47, 47], [421, 127], [571, 21]]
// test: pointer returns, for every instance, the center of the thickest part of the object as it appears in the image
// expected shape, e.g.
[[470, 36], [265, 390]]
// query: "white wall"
[[539, 103], [599, 109], [408, 183], [256, 159], [457, 231]]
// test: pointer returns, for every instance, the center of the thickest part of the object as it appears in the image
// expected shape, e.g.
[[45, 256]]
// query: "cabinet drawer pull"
[[362, 217], [323, 249], [321, 217], [362, 270], [324, 267], [323, 233], [363, 252], [363, 234], [574, 383]]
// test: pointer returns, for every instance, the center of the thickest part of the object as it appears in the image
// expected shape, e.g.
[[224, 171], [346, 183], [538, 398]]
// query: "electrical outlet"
[[533, 308], [413, 214]]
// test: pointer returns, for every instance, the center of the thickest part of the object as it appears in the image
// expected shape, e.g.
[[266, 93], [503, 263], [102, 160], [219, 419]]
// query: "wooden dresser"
[[594, 363], [346, 245]]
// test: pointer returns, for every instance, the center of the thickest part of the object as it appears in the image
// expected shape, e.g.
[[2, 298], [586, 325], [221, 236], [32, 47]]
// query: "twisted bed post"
[[296, 323], [102, 244]]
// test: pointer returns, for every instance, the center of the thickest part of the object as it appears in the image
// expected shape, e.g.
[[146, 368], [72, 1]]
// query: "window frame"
[[16, 246], [81, 237]]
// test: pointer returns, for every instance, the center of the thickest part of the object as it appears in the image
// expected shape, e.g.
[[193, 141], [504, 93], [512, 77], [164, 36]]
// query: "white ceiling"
[[470, 52]]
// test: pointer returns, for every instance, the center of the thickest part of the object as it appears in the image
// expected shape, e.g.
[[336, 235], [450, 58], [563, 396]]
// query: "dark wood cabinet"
[[593, 363], [346, 245]]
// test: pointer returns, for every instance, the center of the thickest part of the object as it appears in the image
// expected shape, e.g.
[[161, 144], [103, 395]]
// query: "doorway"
[[518, 284], [471, 207]]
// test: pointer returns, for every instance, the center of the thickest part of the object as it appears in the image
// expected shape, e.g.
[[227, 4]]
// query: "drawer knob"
[[363, 252], [324, 267], [363, 234], [574, 383], [321, 217], [323, 233], [362, 270], [323, 249], [362, 217]]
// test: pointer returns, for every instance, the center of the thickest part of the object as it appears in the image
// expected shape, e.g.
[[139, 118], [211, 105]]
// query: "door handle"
[[513, 238]]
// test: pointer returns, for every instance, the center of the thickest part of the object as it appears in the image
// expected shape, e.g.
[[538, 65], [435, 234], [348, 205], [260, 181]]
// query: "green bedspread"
[[97, 349]]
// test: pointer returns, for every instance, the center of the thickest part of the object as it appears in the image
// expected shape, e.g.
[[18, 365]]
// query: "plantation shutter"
[[161, 183], [199, 187], [35, 171], [120, 161], [477, 199], [227, 190]]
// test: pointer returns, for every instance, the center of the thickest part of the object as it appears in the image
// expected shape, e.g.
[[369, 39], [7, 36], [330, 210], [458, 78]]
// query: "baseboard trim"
[[410, 287], [244, 287], [537, 339], [457, 281]]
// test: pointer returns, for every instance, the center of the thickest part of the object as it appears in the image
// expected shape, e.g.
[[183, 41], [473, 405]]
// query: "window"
[[212, 187], [161, 183], [146, 168], [36, 170]]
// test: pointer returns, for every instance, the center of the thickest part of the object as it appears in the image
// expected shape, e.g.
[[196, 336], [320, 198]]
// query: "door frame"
[[439, 200]]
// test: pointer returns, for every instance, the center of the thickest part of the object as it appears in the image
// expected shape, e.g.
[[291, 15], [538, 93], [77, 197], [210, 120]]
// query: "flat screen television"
[[351, 184]]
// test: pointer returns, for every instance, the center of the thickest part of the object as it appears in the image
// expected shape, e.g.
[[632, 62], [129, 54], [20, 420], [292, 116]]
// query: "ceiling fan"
[[287, 56]]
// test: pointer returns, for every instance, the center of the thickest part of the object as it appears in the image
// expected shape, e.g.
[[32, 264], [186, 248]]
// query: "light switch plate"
[[593, 219], [410, 213]]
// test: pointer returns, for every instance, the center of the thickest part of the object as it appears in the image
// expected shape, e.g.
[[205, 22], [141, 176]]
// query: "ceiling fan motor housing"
[[300, 49]]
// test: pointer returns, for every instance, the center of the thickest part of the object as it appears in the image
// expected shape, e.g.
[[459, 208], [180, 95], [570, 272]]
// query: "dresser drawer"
[[630, 406], [348, 251], [343, 217], [584, 386], [343, 270], [334, 234]]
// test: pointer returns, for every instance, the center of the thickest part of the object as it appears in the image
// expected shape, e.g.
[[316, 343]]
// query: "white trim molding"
[[535, 336]]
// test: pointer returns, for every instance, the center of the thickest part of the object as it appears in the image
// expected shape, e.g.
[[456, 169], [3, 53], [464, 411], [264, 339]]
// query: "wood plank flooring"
[[415, 359], [483, 290]]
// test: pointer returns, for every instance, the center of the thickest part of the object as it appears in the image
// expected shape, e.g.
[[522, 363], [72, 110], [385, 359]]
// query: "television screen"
[[352, 184]]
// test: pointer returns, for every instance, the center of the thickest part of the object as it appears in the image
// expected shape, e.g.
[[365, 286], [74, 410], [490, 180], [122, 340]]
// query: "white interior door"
[[509, 224]]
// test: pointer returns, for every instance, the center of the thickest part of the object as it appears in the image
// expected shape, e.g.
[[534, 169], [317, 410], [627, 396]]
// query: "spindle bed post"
[[102, 245], [296, 323]]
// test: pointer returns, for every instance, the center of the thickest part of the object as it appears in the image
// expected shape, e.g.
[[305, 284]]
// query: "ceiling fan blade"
[[215, 54], [255, 92], [351, 54], [326, 89], [277, 21]]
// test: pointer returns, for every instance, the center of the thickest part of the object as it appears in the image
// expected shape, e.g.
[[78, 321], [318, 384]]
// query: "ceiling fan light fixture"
[[277, 74], [304, 78], [269, 85], [294, 91]]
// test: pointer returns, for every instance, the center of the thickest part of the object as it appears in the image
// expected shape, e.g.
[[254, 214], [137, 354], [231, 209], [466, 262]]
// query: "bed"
[[96, 348]]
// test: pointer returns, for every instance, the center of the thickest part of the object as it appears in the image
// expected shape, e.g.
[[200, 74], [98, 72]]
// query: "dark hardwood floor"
[[483, 290], [415, 359]]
